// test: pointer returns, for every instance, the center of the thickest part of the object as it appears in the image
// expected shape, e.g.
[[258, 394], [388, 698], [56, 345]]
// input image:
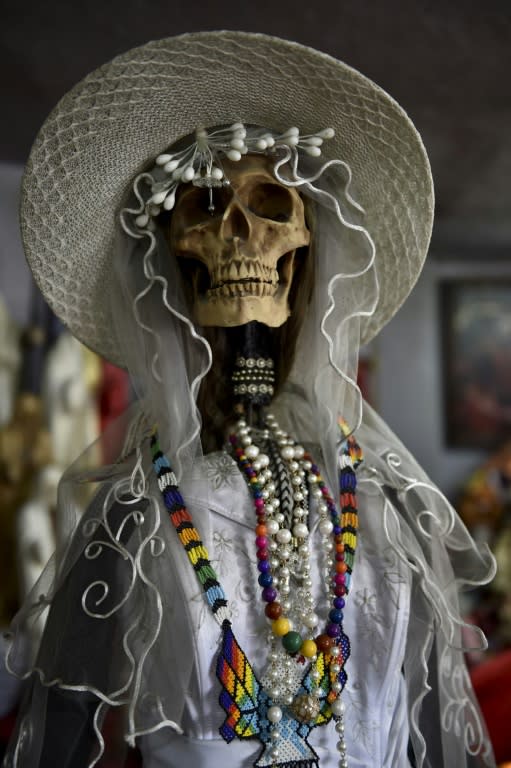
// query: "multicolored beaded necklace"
[[281, 708]]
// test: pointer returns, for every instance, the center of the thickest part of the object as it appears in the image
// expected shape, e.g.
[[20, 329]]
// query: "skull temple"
[[240, 256]]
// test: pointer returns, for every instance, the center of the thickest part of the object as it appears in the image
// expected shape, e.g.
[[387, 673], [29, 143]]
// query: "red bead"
[[273, 611], [340, 590], [262, 554], [324, 643]]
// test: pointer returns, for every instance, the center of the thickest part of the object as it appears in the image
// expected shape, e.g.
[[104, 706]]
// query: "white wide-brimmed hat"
[[120, 117]]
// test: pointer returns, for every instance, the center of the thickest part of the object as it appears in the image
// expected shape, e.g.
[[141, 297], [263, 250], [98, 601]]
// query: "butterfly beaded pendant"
[[249, 712]]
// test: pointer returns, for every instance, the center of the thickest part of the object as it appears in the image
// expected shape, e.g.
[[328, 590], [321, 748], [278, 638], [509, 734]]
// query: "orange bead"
[[339, 547], [261, 530], [341, 567]]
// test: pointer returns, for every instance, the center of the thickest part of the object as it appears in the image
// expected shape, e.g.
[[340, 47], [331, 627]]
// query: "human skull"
[[240, 256]]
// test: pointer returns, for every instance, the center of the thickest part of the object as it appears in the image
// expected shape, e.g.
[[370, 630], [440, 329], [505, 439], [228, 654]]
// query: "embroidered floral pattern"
[[222, 471]]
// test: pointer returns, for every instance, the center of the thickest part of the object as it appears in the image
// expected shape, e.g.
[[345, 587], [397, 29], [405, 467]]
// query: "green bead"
[[292, 642]]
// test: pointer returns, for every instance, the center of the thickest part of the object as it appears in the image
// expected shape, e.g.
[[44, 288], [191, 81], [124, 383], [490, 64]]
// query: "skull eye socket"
[[271, 201], [194, 205]]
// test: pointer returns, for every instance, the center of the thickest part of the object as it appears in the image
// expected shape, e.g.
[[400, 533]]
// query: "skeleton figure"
[[190, 242]]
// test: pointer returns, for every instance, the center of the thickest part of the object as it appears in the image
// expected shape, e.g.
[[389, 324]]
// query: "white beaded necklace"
[[290, 557]]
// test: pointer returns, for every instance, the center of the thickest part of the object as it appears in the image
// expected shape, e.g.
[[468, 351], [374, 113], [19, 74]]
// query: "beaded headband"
[[200, 162]]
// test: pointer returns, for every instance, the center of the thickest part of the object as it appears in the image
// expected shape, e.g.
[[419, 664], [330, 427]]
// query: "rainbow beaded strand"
[[188, 534]]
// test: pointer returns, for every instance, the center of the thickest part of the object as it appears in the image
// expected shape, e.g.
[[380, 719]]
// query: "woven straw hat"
[[120, 117]]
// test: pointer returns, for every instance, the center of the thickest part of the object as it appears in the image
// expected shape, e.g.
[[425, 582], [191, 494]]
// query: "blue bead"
[[161, 462], [265, 579], [172, 496], [263, 566], [336, 616], [339, 603], [348, 481]]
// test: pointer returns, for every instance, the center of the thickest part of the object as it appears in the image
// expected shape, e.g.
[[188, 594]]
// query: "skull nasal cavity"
[[235, 224]]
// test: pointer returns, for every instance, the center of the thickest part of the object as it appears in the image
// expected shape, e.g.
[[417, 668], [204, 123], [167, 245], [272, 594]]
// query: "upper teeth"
[[239, 270], [248, 288]]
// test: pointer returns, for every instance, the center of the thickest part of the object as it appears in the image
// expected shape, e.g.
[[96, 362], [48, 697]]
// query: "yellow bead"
[[281, 626], [309, 649]]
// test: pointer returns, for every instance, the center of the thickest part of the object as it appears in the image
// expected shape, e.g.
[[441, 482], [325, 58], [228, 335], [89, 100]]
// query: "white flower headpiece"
[[200, 162]]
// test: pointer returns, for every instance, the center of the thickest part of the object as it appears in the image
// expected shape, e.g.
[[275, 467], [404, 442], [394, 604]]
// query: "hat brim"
[[121, 116]]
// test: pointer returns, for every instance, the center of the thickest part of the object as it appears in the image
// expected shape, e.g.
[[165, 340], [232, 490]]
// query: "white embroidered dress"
[[376, 618]]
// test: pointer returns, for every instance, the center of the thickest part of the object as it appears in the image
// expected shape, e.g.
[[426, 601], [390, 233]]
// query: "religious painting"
[[476, 337]]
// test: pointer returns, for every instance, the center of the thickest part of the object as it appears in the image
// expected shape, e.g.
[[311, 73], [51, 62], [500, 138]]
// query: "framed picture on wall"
[[476, 340]]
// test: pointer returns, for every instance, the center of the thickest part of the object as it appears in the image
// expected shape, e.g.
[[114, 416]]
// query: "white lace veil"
[[110, 588]]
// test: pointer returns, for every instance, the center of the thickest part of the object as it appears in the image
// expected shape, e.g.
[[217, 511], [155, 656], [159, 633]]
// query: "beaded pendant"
[[250, 714]]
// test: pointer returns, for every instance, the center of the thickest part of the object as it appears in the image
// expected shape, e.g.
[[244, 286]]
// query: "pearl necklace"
[[283, 552]]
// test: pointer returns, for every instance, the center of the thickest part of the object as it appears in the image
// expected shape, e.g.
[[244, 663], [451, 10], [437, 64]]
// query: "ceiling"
[[447, 63]]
